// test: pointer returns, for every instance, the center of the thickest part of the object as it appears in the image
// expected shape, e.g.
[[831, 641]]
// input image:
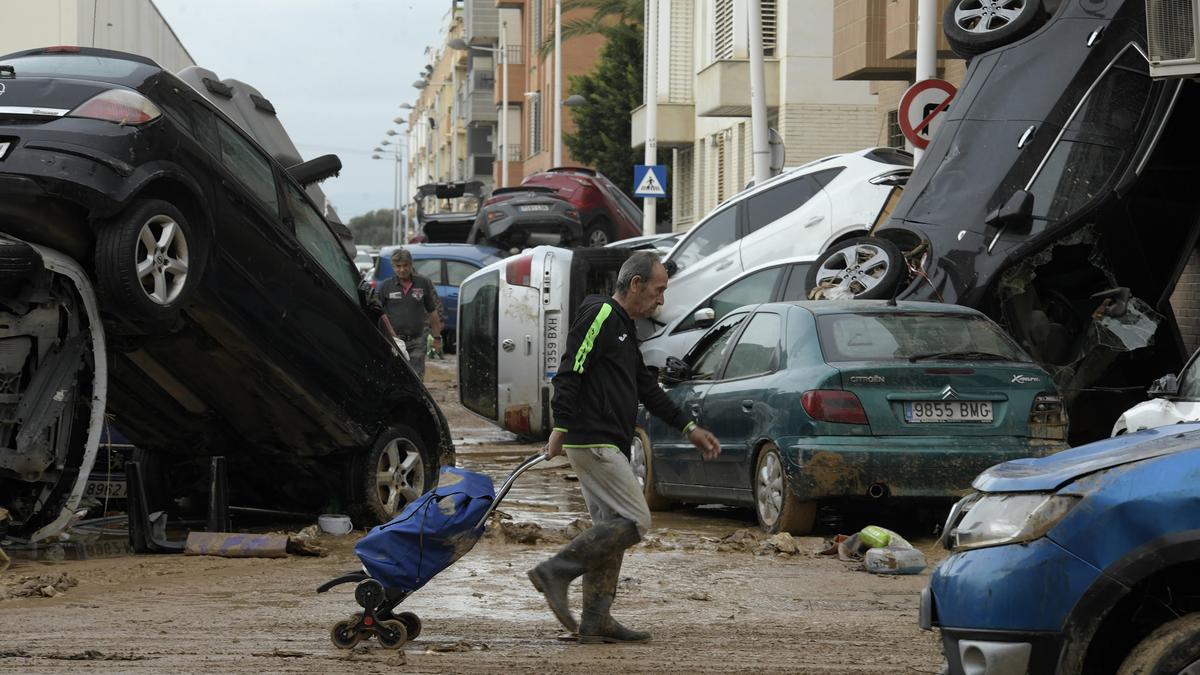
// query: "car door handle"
[[814, 221], [693, 406], [748, 405]]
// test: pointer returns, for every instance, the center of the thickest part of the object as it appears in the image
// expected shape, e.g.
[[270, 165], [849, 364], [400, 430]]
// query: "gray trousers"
[[417, 348], [609, 487]]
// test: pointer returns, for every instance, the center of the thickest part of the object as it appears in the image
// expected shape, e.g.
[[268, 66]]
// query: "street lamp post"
[[558, 129]]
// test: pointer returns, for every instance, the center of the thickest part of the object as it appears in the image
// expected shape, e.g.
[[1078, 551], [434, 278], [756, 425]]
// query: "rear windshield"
[[79, 65], [477, 341], [895, 336]]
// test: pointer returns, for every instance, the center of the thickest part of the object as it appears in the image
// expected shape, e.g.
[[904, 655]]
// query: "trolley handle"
[[521, 468]]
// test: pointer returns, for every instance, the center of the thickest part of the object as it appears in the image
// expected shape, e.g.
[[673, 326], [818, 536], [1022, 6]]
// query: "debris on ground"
[[699, 596], [894, 556], [530, 533], [459, 646], [237, 545], [743, 539], [782, 544], [94, 655], [39, 586], [299, 545], [282, 654]]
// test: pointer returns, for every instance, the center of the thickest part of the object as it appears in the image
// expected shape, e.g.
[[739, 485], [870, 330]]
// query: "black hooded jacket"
[[601, 379]]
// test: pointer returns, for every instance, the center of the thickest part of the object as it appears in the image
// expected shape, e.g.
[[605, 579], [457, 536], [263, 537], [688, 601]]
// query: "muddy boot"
[[599, 590], [591, 548]]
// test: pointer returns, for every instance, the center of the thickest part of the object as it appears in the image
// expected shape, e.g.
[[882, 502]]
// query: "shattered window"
[[1073, 175], [894, 336]]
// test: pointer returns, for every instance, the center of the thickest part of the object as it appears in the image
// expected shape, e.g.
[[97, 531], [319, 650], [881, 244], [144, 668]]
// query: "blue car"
[[446, 265], [1087, 561]]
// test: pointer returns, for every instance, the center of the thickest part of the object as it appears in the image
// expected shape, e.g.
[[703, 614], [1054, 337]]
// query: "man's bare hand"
[[554, 446], [705, 442]]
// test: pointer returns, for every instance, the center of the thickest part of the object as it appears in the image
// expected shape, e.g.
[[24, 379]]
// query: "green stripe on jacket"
[[589, 340]]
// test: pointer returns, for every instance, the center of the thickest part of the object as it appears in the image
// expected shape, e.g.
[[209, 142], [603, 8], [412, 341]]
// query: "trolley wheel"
[[344, 634], [391, 634], [369, 594], [412, 623]]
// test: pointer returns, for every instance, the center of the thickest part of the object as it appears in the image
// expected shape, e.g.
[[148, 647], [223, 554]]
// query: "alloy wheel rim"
[[399, 475], [987, 16], [637, 459], [1192, 669], [599, 238], [162, 259], [856, 269], [769, 490]]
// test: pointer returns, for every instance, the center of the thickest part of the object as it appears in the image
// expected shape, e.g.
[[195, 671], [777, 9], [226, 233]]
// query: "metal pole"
[[926, 47], [396, 197], [454, 173], [407, 169], [758, 97], [558, 99], [649, 219], [504, 104]]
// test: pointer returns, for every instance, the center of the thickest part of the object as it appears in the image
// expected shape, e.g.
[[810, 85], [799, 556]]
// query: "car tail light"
[[493, 216], [573, 213], [833, 405], [120, 106], [516, 419], [519, 271], [1047, 417]]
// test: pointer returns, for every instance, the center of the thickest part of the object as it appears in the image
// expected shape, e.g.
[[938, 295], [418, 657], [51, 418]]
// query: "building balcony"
[[901, 40], [516, 85], [723, 89], [676, 125], [860, 35]]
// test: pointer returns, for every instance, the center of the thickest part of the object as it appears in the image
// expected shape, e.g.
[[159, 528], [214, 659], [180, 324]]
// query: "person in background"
[[411, 304]]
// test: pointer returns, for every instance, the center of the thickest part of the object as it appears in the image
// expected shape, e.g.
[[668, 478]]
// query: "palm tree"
[[604, 12]]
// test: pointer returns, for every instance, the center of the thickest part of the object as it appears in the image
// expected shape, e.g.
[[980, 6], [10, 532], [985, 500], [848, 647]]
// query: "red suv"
[[606, 213]]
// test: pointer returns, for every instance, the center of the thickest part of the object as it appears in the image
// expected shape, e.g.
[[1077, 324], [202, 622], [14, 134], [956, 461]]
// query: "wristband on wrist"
[[688, 429]]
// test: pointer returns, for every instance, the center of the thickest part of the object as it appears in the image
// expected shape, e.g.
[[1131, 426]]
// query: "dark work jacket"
[[602, 377]]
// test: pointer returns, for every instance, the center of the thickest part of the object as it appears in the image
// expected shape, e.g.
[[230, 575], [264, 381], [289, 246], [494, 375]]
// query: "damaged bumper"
[[916, 467]]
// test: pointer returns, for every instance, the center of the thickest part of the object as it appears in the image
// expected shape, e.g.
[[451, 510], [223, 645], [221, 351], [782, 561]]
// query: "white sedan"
[[1176, 400]]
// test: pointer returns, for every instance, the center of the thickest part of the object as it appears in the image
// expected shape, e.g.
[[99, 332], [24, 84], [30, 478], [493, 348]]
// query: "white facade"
[[704, 96], [134, 26]]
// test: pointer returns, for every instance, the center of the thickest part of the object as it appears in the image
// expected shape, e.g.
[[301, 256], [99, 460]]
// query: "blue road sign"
[[649, 180]]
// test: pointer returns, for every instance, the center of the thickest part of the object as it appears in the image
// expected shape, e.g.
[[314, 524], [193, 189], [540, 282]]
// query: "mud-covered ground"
[[716, 596]]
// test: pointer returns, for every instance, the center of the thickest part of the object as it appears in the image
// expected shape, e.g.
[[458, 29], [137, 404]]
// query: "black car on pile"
[[523, 216], [158, 265], [1058, 196]]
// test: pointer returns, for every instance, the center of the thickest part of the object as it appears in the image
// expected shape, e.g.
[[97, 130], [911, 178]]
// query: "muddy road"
[[715, 599]]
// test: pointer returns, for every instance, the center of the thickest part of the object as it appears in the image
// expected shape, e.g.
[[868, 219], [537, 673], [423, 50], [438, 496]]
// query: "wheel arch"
[[1107, 618]]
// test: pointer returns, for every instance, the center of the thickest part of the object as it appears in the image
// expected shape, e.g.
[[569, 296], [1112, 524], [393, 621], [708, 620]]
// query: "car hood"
[[1051, 473]]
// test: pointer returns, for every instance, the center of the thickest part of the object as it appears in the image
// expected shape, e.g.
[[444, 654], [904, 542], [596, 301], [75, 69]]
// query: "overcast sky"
[[336, 71]]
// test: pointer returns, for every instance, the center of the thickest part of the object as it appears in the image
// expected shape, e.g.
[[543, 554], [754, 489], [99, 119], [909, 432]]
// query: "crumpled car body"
[[446, 211], [229, 317], [522, 217], [1058, 198]]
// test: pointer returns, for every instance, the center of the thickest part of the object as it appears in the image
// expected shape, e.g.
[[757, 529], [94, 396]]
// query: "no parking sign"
[[921, 110]]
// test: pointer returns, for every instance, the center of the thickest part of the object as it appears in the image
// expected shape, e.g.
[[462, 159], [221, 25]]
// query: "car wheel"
[[1173, 648], [146, 261], [777, 506], [973, 27], [395, 471], [599, 233], [866, 268], [641, 459]]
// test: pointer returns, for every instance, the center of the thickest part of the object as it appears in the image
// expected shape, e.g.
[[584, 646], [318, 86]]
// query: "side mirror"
[[368, 298], [316, 169], [1016, 214], [671, 267], [1164, 387], [676, 370], [704, 317]]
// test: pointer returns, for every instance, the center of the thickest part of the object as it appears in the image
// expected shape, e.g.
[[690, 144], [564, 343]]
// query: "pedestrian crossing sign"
[[649, 180]]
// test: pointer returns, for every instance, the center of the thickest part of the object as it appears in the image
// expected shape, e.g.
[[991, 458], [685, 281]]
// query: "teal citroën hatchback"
[[837, 400]]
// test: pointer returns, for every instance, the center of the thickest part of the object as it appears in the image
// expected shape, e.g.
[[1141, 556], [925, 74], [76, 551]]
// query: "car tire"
[[391, 473], [147, 263], [864, 268], [641, 459], [1170, 648], [599, 233], [775, 503], [973, 27], [18, 261]]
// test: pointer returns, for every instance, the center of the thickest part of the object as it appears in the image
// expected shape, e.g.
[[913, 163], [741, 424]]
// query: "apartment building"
[[134, 26], [435, 148], [703, 96]]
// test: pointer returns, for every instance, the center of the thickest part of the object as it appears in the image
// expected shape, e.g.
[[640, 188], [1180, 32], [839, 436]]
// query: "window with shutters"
[[535, 31], [770, 26], [895, 137], [684, 167], [535, 124], [723, 29], [720, 168]]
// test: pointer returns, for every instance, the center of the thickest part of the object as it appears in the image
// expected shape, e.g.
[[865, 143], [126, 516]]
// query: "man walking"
[[596, 393], [411, 304]]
